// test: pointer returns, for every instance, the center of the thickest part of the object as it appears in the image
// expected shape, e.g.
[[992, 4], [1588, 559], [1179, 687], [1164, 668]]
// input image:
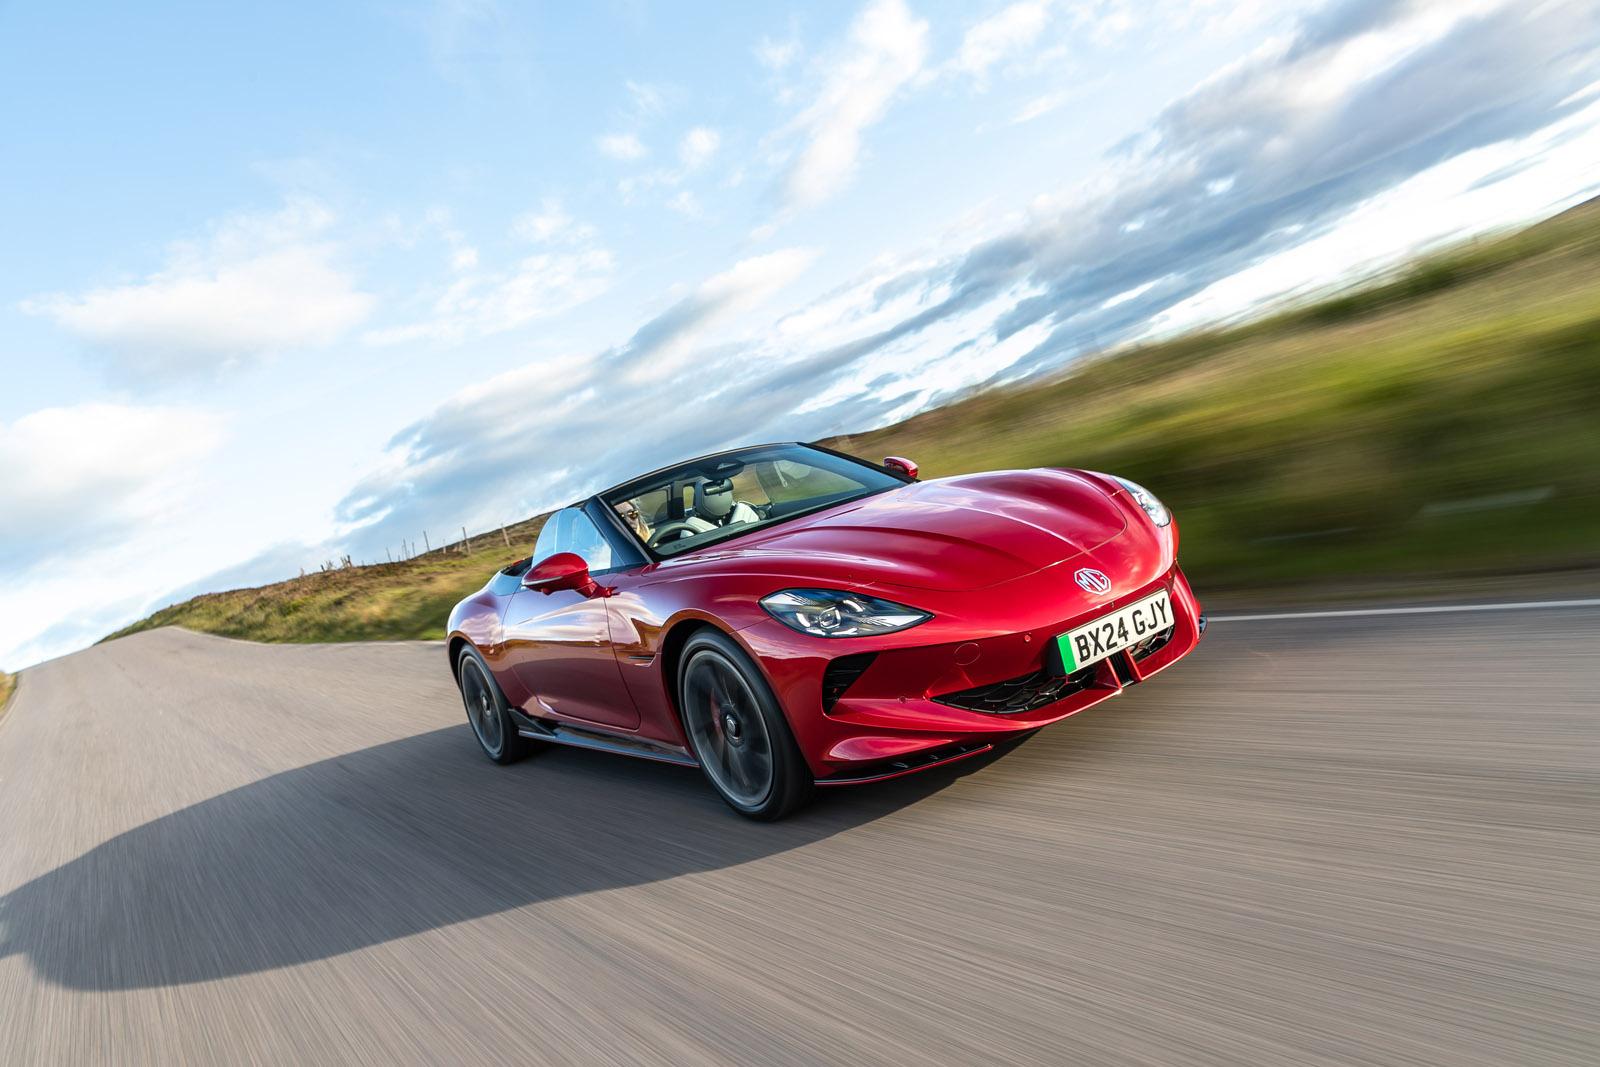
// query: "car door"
[[559, 643]]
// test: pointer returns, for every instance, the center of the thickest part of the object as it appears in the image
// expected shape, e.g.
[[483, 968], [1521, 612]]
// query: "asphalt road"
[[1349, 840]]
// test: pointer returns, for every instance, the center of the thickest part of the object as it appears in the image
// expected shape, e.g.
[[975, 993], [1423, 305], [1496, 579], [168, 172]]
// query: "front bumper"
[[905, 707]]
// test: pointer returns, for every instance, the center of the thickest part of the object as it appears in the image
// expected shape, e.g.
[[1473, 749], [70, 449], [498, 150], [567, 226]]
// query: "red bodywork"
[[991, 556]]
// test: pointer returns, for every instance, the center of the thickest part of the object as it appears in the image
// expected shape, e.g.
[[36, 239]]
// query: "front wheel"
[[738, 732], [488, 711]]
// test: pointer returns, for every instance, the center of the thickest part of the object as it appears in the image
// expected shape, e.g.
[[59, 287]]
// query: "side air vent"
[[841, 675]]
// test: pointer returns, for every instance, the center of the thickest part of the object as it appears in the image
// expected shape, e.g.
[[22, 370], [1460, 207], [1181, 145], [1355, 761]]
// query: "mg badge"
[[1092, 581]]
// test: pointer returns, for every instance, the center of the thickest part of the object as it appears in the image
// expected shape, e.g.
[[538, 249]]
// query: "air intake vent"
[[1151, 645], [841, 675], [1027, 693]]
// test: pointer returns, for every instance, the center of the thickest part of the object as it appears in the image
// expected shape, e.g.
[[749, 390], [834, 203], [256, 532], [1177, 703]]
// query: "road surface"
[[1338, 840]]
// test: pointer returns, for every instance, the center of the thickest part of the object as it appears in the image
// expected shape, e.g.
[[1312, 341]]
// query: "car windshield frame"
[[686, 471]]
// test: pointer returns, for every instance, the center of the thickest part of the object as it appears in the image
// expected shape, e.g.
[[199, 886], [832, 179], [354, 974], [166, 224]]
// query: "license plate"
[[1111, 633]]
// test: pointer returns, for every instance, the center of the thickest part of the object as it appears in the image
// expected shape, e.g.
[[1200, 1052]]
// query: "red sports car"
[[787, 616]]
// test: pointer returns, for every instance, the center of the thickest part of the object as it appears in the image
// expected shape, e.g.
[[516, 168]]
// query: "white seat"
[[715, 506]]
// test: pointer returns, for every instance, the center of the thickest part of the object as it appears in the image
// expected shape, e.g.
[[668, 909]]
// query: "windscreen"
[[726, 496]]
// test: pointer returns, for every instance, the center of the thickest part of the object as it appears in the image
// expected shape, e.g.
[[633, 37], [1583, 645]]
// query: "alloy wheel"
[[482, 711], [727, 729]]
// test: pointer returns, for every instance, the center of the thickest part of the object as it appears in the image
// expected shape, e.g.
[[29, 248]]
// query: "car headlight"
[[1146, 499], [835, 613]]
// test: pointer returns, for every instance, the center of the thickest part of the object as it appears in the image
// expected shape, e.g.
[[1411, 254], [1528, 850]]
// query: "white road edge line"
[[1426, 609]]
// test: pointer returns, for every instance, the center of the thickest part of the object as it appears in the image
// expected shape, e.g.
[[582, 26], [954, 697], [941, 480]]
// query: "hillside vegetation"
[[7, 681], [381, 602], [1443, 420]]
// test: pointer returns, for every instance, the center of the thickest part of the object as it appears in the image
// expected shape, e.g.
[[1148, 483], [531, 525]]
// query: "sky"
[[284, 282]]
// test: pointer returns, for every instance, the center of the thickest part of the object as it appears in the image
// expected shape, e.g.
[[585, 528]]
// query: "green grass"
[[1377, 432]]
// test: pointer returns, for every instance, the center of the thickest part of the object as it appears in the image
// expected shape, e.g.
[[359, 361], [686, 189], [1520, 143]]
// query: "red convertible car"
[[786, 616]]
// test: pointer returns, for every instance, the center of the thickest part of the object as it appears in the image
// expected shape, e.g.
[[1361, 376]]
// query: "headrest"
[[714, 500]]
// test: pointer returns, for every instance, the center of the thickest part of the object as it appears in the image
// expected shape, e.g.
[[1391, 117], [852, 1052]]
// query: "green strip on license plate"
[[1069, 662]]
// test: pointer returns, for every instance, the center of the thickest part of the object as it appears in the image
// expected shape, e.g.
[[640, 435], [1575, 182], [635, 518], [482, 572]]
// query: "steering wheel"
[[671, 530]]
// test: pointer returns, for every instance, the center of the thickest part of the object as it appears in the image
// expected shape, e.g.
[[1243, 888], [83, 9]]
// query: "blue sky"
[[287, 281]]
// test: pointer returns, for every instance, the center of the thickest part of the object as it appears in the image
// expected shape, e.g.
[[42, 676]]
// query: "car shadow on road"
[[389, 841]]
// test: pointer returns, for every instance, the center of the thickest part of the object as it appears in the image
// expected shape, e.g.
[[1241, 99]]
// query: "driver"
[[628, 510]]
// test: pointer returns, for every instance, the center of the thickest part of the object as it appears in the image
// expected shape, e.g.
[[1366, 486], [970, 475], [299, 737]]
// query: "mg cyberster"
[[786, 617]]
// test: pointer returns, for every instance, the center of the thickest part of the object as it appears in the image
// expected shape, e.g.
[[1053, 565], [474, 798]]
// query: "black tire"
[[487, 711], [737, 731]]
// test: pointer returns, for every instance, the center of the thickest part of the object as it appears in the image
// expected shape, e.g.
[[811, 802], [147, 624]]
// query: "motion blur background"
[[287, 286]]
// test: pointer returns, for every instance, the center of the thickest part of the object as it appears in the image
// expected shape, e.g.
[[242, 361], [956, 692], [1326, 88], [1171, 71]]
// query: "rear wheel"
[[737, 731], [487, 710]]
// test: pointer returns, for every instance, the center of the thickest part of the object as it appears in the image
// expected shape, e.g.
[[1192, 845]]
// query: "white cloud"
[[551, 224], [649, 100], [777, 55], [1003, 35], [886, 50], [490, 302], [695, 150], [1130, 294], [621, 146], [662, 346], [630, 187], [259, 284], [570, 268], [698, 146], [686, 204], [1587, 92], [71, 476], [1042, 105], [752, 281]]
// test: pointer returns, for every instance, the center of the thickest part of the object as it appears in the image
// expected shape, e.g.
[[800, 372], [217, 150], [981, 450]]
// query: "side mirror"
[[901, 466], [564, 570]]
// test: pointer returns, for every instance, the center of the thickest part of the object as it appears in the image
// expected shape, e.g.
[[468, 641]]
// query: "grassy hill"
[[7, 681], [381, 602], [1443, 420]]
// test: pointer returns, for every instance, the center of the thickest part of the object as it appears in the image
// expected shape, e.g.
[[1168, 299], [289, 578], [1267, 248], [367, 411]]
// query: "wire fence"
[[497, 542]]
